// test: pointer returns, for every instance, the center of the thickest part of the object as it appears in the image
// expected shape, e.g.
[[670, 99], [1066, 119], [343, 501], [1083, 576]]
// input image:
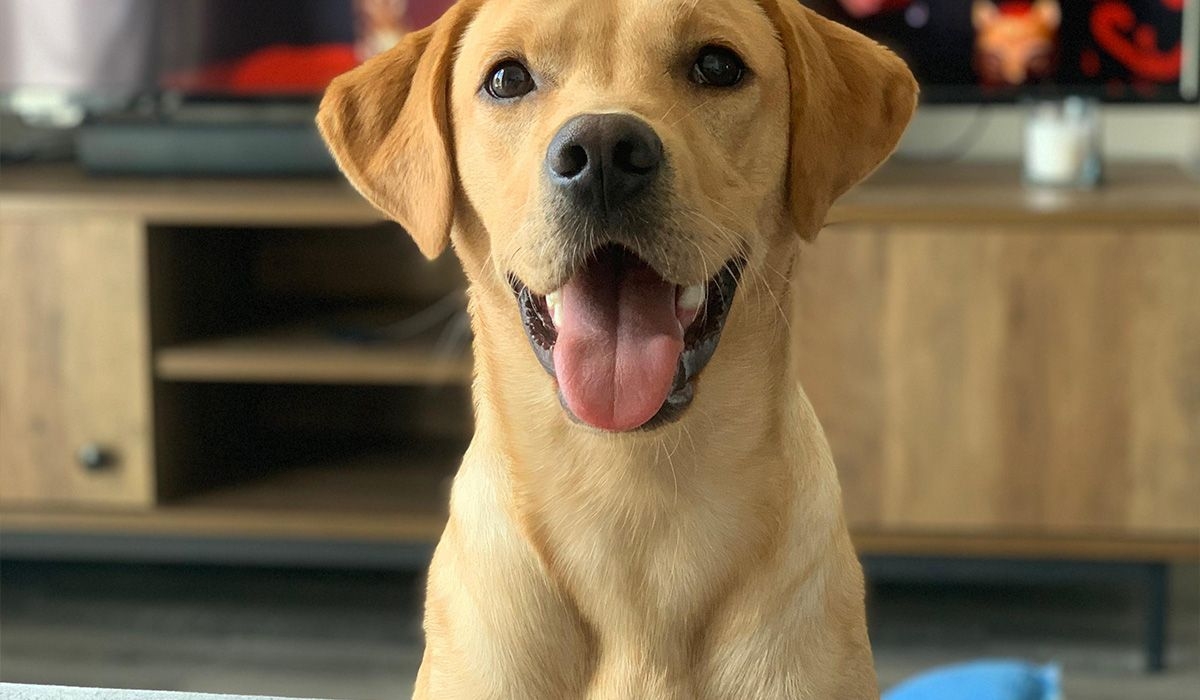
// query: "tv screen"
[[278, 47], [960, 50], [973, 50], [203, 48]]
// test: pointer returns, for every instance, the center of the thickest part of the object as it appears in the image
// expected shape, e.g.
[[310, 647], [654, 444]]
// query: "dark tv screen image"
[[234, 49], [1000, 50], [960, 50]]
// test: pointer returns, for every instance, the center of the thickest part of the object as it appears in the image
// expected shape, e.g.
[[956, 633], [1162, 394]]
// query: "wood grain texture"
[[393, 498], [1035, 381], [58, 190], [305, 355], [992, 193], [987, 193], [74, 369]]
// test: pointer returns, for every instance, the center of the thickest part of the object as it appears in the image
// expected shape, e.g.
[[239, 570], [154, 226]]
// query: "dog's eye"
[[509, 80], [717, 66]]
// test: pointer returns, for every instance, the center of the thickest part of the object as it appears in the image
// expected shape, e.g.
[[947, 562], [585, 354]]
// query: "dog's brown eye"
[[717, 66], [509, 80]]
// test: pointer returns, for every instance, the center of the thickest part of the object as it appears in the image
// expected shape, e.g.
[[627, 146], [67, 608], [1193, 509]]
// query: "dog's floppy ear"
[[851, 100], [387, 126]]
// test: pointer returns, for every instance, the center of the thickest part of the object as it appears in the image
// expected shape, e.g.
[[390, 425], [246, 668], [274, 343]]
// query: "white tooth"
[[691, 297], [554, 304]]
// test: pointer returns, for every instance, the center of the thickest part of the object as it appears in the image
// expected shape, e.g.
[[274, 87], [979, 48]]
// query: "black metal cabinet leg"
[[1155, 639]]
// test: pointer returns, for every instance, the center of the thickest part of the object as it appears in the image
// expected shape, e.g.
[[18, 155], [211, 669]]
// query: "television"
[[1003, 50], [960, 50], [197, 49], [186, 87]]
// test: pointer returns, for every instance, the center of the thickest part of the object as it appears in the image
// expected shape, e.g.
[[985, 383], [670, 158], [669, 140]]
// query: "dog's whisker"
[[661, 445], [786, 280], [783, 277], [690, 112], [758, 282], [688, 432], [669, 110], [719, 203], [705, 260]]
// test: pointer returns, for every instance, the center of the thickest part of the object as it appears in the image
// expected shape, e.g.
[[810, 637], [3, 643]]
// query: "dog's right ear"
[[851, 99], [386, 124]]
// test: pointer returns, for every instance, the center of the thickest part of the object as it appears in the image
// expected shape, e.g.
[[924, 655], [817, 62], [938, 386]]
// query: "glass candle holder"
[[1062, 143]]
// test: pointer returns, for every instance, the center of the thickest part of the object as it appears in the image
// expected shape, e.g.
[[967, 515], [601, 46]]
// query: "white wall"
[[1133, 132]]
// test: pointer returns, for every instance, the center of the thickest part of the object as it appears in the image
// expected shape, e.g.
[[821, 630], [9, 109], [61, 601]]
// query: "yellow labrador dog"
[[648, 508]]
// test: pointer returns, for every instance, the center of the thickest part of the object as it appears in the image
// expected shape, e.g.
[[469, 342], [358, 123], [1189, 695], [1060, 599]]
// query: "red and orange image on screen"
[[1132, 42], [1018, 42], [255, 54], [1015, 42], [1118, 48]]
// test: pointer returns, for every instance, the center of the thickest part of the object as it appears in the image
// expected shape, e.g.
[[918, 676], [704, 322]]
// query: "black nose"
[[603, 160]]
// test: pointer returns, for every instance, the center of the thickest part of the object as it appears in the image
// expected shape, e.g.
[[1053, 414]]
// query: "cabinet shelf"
[[382, 498], [309, 354]]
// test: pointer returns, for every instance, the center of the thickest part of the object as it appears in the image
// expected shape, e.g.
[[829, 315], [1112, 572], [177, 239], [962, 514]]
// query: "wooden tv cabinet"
[[188, 366]]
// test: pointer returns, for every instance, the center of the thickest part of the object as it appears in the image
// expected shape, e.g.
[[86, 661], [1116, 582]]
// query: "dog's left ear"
[[851, 100], [386, 124]]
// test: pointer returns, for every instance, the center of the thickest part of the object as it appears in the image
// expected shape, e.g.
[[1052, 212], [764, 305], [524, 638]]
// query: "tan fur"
[[708, 558]]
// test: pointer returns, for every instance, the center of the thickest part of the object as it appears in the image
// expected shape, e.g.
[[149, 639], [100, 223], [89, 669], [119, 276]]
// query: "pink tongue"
[[618, 344]]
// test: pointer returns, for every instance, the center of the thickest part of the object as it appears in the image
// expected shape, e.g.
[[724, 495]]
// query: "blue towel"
[[982, 680]]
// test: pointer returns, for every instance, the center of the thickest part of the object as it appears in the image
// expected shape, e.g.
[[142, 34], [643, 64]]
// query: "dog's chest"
[[690, 604], [647, 567], [647, 589]]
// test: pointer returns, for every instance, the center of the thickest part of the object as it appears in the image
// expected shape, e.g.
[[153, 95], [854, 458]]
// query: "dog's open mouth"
[[624, 344]]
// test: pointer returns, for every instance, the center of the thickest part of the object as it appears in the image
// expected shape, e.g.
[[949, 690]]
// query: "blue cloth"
[[982, 680]]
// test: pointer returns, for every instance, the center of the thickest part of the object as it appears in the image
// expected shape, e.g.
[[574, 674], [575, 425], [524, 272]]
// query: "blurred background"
[[232, 398]]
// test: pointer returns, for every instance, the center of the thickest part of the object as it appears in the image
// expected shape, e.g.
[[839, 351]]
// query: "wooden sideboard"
[[1001, 371], [1038, 379]]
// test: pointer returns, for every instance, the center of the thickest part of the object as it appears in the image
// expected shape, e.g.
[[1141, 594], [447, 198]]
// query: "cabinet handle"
[[95, 457]]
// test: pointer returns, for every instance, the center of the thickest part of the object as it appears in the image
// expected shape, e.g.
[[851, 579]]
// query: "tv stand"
[[1003, 373]]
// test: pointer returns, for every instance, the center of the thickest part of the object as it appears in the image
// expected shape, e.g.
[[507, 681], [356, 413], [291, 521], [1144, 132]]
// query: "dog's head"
[[619, 167]]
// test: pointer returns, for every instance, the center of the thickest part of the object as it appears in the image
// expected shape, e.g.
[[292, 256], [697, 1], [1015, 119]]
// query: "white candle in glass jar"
[[1061, 143]]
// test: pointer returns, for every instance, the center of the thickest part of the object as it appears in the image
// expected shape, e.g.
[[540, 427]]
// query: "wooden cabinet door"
[[74, 371], [1008, 380]]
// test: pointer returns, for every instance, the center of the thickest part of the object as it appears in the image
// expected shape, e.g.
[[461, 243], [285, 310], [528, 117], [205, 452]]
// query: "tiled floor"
[[346, 635]]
